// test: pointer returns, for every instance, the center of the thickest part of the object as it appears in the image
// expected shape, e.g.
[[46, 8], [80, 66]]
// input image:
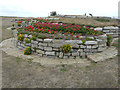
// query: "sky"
[[42, 8]]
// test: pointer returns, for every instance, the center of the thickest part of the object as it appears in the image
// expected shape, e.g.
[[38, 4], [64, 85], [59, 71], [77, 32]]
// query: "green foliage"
[[24, 32], [66, 48], [33, 38], [63, 69], [83, 42], [35, 49], [89, 25], [27, 51], [60, 22], [41, 36], [74, 57], [88, 39], [21, 37], [53, 14], [19, 24], [73, 24], [109, 40], [27, 40], [12, 28], [13, 25], [34, 34]]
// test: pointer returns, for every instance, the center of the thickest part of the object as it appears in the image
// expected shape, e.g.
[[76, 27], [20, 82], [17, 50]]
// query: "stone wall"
[[111, 30], [51, 47]]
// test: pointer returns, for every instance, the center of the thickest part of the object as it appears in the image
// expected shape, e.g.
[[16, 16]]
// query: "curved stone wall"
[[51, 47]]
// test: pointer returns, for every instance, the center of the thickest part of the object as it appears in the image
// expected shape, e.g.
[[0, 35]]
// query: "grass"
[[88, 21], [102, 20], [40, 65], [74, 57], [116, 43], [18, 59], [60, 57], [63, 69], [30, 60], [90, 66]]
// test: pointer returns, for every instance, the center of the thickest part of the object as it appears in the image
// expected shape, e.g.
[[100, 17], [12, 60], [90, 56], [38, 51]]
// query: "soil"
[[19, 73]]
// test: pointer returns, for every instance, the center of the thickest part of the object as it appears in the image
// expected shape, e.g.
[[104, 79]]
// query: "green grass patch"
[[63, 69]]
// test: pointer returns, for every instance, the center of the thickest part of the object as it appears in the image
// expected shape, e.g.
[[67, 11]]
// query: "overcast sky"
[[41, 8]]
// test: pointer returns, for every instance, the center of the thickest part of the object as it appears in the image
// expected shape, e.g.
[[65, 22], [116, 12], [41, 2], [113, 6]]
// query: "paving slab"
[[111, 52]]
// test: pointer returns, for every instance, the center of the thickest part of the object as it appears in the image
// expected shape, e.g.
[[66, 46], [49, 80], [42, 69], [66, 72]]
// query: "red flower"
[[77, 36]]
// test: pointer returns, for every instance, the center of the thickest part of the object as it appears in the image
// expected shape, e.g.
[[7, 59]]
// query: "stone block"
[[91, 42], [72, 41], [61, 55], [67, 54], [56, 45], [48, 48], [42, 44], [79, 42], [82, 46], [40, 54], [20, 47], [100, 49], [28, 44], [56, 49], [89, 46], [102, 36], [29, 36], [40, 40], [75, 53], [111, 27], [86, 50], [58, 41], [18, 43], [40, 47], [34, 42], [75, 45], [40, 51], [99, 41], [80, 50], [83, 54], [25, 35], [34, 45], [110, 33], [106, 31], [23, 45], [98, 29], [93, 50], [48, 40], [50, 53], [94, 46]]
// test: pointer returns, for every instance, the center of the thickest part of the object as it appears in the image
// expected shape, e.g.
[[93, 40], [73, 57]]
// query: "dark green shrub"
[[12, 28], [19, 24], [13, 25], [60, 22]]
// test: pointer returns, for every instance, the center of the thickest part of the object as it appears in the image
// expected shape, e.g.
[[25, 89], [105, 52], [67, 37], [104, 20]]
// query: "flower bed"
[[60, 40]]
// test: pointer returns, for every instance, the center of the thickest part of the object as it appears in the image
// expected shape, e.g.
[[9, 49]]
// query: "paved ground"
[[19, 73]]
